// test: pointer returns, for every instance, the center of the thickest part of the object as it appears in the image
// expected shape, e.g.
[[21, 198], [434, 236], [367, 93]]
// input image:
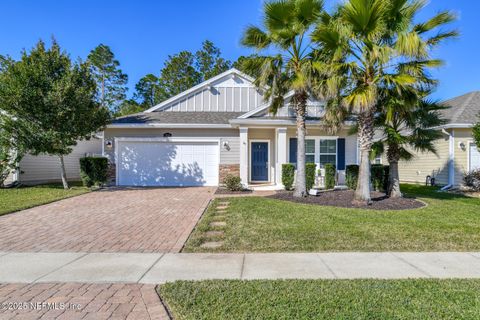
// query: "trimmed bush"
[[386, 177], [472, 179], [330, 174], [351, 176], [93, 171], [288, 175], [310, 169], [377, 177], [233, 183]]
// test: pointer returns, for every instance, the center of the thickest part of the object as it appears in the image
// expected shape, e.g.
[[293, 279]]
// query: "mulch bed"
[[344, 199], [226, 191]]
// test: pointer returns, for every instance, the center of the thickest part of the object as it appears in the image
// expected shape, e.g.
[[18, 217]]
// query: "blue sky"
[[143, 33]]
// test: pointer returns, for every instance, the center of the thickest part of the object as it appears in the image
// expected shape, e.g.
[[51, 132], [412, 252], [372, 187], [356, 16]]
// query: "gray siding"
[[231, 156], [220, 99], [44, 168]]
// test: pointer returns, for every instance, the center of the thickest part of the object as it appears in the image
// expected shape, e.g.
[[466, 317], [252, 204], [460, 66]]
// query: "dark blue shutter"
[[341, 154], [293, 150]]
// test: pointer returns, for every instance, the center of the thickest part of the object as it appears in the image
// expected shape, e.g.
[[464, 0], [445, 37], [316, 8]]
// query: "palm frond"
[[254, 37]]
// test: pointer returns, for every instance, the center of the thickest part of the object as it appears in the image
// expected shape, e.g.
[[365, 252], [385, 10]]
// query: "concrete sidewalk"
[[151, 268]]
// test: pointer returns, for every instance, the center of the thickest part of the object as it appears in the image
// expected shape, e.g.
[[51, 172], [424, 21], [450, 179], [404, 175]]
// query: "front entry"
[[259, 161]]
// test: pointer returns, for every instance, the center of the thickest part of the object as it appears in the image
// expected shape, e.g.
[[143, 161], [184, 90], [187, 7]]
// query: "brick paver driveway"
[[80, 301], [116, 220]]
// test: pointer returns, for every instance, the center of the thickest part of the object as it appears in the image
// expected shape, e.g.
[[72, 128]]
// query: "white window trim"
[[250, 160], [469, 156]]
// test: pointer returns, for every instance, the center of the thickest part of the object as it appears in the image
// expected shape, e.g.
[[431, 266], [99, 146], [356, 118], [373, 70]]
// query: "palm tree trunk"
[[365, 140], [393, 155], [301, 106], [64, 173]]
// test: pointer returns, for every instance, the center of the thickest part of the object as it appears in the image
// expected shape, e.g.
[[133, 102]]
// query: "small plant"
[[310, 175], [472, 179], [232, 183], [288, 175], [93, 171], [330, 173], [351, 176]]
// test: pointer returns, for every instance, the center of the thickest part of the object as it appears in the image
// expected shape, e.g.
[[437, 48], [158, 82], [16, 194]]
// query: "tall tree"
[[404, 125], [178, 74], [209, 62], [129, 106], [55, 97], [286, 27], [367, 46], [476, 133], [111, 81], [148, 91]]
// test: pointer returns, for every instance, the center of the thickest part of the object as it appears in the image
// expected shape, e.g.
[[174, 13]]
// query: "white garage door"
[[167, 164], [474, 157]]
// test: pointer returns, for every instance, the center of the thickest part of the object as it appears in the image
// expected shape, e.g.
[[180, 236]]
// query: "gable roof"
[[464, 110], [205, 83], [172, 119]]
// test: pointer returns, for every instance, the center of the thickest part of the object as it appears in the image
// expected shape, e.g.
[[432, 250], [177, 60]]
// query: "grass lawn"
[[323, 299], [15, 199], [253, 224]]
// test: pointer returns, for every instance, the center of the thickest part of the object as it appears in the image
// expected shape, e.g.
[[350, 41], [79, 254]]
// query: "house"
[[46, 169], [456, 151], [221, 126]]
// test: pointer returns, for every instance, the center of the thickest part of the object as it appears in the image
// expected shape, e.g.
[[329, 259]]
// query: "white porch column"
[[281, 139], [244, 155]]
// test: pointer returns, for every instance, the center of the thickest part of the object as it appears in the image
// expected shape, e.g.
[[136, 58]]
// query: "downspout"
[[451, 159]]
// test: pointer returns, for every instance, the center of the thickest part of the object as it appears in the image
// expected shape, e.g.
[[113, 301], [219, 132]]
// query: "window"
[[378, 160], [310, 151], [328, 152]]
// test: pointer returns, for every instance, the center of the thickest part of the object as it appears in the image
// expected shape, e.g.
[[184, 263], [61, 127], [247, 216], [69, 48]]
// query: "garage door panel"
[[168, 164]]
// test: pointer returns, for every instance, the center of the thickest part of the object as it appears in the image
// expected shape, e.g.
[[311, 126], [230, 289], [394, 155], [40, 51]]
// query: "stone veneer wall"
[[226, 169], [111, 174]]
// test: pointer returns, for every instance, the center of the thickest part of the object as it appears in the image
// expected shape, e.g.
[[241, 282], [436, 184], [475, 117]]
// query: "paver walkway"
[[159, 268], [117, 220]]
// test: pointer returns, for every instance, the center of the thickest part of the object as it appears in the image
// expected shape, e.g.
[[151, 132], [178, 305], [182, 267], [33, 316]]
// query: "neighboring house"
[[45, 169], [456, 152], [221, 126]]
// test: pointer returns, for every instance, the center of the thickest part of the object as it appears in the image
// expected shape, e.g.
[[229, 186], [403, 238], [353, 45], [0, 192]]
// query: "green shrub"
[[377, 177], [232, 183], [351, 176], [472, 179], [330, 174], [288, 175], [386, 177], [310, 175], [93, 171]]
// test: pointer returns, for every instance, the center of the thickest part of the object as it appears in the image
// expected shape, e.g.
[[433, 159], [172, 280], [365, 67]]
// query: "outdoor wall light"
[[109, 144], [167, 135], [462, 146], [226, 145]]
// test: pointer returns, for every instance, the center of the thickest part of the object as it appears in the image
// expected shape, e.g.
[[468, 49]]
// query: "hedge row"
[[379, 176]]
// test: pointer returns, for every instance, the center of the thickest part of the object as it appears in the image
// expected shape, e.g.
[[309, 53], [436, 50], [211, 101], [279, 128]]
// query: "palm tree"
[[367, 47], [405, 125], [285, 34]]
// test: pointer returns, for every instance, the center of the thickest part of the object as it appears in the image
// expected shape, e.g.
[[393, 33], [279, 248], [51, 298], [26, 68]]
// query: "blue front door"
[[259, 161]]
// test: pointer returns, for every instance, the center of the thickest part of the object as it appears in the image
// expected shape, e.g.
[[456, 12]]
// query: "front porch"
[[264, 150]]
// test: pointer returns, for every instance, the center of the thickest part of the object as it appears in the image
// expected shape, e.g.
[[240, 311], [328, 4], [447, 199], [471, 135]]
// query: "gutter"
[[169, 126], [275, 122]]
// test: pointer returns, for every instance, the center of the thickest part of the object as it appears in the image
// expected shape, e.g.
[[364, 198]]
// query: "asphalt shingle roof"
[[463, 109], [178, 117]]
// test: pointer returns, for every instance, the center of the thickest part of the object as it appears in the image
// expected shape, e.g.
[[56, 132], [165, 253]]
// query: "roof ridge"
[[461, 109]]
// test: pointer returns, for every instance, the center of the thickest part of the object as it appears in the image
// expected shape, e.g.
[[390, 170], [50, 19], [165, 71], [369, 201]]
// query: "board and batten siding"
[[45, 168], [229, 155], [230, 95]]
